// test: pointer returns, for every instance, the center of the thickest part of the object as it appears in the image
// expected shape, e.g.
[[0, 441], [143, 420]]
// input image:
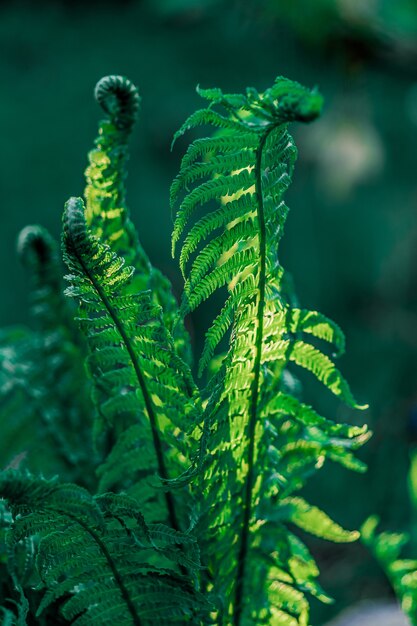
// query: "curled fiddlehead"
[[120, 99]]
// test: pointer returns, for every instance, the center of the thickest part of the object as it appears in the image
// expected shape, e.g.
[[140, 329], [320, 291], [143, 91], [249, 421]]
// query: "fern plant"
[[387, 548], [174, 501]]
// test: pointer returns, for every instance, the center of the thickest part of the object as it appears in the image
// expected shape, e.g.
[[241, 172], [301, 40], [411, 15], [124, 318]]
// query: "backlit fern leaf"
[[106, 209], [146, 397], [264, 444], [98, 559]]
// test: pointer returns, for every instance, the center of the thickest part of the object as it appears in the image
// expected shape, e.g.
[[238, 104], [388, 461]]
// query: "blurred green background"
[[351, 236]]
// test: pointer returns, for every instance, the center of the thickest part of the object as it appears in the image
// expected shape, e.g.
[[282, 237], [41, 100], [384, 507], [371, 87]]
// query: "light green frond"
[[208, 117], [263, 443], [221, 144], [317, 324], [323, 368], [313, 520], [107, 213], [218, 188], [222, 217]]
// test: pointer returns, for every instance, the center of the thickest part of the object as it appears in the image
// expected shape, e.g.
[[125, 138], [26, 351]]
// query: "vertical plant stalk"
[[247, 504]]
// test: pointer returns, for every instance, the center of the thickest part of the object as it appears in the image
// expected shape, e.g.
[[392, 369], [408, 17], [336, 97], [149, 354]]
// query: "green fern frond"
[[107, 214], [176, 471], [263, 443], [44, 394], [145, 394], [98, 558], [39, 254], [402, 573]]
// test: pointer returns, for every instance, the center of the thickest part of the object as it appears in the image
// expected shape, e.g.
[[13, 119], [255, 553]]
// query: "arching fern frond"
[[145, 394], [98, 559], [106, 208], [264, 444]]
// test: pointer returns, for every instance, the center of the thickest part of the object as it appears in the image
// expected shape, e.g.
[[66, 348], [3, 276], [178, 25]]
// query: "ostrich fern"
[[176, 502]]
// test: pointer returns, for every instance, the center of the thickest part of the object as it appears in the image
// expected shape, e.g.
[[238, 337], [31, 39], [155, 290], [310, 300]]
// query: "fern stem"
[[112, 565], [153, 418], [247, 505]]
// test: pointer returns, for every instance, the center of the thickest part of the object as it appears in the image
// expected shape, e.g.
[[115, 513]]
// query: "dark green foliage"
[[44, 390], [176, 469], [96, 555]]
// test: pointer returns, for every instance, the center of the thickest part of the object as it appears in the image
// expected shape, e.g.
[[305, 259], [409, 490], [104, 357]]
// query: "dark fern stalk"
[[247, 502]]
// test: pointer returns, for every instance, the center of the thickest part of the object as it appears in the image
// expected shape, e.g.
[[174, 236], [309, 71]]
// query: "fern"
[[175, 469], [402, 573], [146, 397], [264, 442], [95, 555], [387, 548], [106, 210], [31, 363]]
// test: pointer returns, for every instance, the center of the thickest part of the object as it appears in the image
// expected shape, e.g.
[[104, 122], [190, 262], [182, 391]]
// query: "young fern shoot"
[[264, 442], [105, 195]]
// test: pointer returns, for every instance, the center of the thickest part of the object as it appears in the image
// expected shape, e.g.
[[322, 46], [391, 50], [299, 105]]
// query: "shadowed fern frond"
[[43, 387], [98, 559], [146, 398]]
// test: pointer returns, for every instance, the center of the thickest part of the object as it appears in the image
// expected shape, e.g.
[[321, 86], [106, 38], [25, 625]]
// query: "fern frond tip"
[[120, 99], [295, 102], [36, 247]]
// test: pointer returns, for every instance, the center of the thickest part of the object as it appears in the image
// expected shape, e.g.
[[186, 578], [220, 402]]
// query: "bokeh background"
[[351, 236]]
